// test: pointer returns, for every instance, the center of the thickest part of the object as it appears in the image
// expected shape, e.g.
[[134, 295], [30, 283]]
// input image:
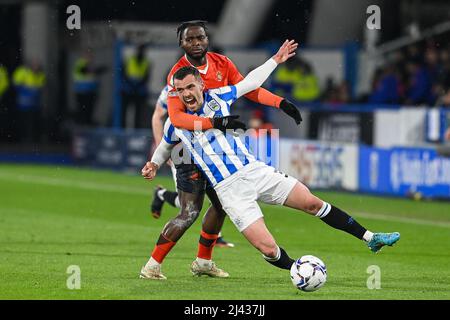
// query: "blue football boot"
[[379, 240]]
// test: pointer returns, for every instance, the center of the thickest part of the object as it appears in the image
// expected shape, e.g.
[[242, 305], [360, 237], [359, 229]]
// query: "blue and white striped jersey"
[[217, 154], [162, 99]]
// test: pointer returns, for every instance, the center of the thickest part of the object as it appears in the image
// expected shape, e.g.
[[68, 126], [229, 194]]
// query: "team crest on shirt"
[[219, 76], [214, 105]]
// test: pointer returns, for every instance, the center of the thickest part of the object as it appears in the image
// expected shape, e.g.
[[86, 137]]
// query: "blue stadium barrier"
[[405, 172]]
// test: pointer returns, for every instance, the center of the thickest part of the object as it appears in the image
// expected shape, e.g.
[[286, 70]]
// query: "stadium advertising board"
[[404, 172], [111, 149], [320, 164]]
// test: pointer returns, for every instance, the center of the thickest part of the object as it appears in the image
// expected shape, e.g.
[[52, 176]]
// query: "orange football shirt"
[[219, 71]]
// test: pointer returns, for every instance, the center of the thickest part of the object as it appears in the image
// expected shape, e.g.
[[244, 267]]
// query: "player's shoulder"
[[182, 62], [225, 93], [218, 59], [222, 90]]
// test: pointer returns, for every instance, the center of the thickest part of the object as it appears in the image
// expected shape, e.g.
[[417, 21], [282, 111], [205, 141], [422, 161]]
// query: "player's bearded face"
[[195, 42], [190, 92]]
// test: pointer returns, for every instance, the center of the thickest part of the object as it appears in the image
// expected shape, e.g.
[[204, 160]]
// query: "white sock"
[[160, 194], [152, 263], [204, 262], [368, 236], [278, 256], [324, 211], [177, 202]]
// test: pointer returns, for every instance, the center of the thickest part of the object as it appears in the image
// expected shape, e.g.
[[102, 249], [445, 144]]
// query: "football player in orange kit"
[[216, 71]]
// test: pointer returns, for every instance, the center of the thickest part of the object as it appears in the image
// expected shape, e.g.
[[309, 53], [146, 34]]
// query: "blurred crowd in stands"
[[418, 74]]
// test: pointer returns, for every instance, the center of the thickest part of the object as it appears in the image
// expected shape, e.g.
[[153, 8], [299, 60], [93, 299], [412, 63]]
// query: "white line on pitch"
[[74, 184], [386, 217], [137, 191]]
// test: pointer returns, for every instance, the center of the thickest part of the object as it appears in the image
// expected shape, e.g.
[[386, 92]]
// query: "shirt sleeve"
[[256, 78], [234, 76], [169, 133], [162, 99], [227, 94], [259, 95]]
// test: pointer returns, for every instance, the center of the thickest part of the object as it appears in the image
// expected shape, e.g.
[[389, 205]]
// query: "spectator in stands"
[[385, 87], [135, 75], [444, 99], [434, 69], [336, 94], [29, 80], [259, 121], [419, 83], [86, 86]]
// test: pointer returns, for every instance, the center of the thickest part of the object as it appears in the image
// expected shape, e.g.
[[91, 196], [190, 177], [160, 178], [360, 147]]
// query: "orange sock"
[[162, 248], [206, 245]]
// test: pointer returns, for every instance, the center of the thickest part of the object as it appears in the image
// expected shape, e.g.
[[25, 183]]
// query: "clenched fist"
[[149, 170]]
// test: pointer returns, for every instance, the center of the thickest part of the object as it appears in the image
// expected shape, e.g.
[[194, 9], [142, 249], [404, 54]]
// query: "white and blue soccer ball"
[[308, 273]]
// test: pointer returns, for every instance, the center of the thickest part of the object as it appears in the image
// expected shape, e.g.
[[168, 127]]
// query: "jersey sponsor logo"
[[214, 105]]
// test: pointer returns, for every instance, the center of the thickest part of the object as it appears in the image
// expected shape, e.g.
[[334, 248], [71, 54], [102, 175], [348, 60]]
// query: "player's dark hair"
[[193, 23], [183, 72]]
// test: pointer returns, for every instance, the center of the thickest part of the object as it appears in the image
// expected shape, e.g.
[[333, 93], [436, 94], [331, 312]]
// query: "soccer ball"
[[308, 273]]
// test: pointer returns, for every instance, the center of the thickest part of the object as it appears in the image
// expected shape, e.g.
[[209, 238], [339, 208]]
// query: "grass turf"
[[54, 217]]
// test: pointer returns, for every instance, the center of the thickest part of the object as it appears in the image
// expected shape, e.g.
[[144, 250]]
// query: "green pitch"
[[54, 217]]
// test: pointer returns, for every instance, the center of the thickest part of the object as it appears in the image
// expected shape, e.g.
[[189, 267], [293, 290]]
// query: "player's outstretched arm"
[[180, 119], [257, 77], [160, 156]]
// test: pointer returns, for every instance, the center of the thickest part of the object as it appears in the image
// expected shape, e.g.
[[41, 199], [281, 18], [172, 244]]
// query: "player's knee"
[[268, 248], [190, 213], [312, 204]]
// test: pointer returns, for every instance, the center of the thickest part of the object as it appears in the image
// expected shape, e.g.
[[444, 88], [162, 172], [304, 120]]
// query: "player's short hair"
[[183, 72], [193, 23]]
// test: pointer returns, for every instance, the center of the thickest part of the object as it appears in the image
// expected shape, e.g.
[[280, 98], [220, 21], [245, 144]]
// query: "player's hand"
[[149, 170], [291, 110], [286, 51], [228, 122]]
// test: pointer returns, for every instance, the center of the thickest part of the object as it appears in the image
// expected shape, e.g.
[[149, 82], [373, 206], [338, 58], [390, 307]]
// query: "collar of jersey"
[[202, 71]]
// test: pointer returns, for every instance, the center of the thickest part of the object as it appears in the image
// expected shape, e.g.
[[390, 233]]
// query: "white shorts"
[[254, 182]]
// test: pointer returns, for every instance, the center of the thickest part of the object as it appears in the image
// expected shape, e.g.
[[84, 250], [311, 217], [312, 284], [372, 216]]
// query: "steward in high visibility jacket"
[[135, 75], [29, 82], [84, 76], [297, 81], [4, 81], [135, 72]]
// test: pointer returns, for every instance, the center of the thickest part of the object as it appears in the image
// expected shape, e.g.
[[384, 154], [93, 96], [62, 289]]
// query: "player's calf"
[[301, 198], [259, 236]]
